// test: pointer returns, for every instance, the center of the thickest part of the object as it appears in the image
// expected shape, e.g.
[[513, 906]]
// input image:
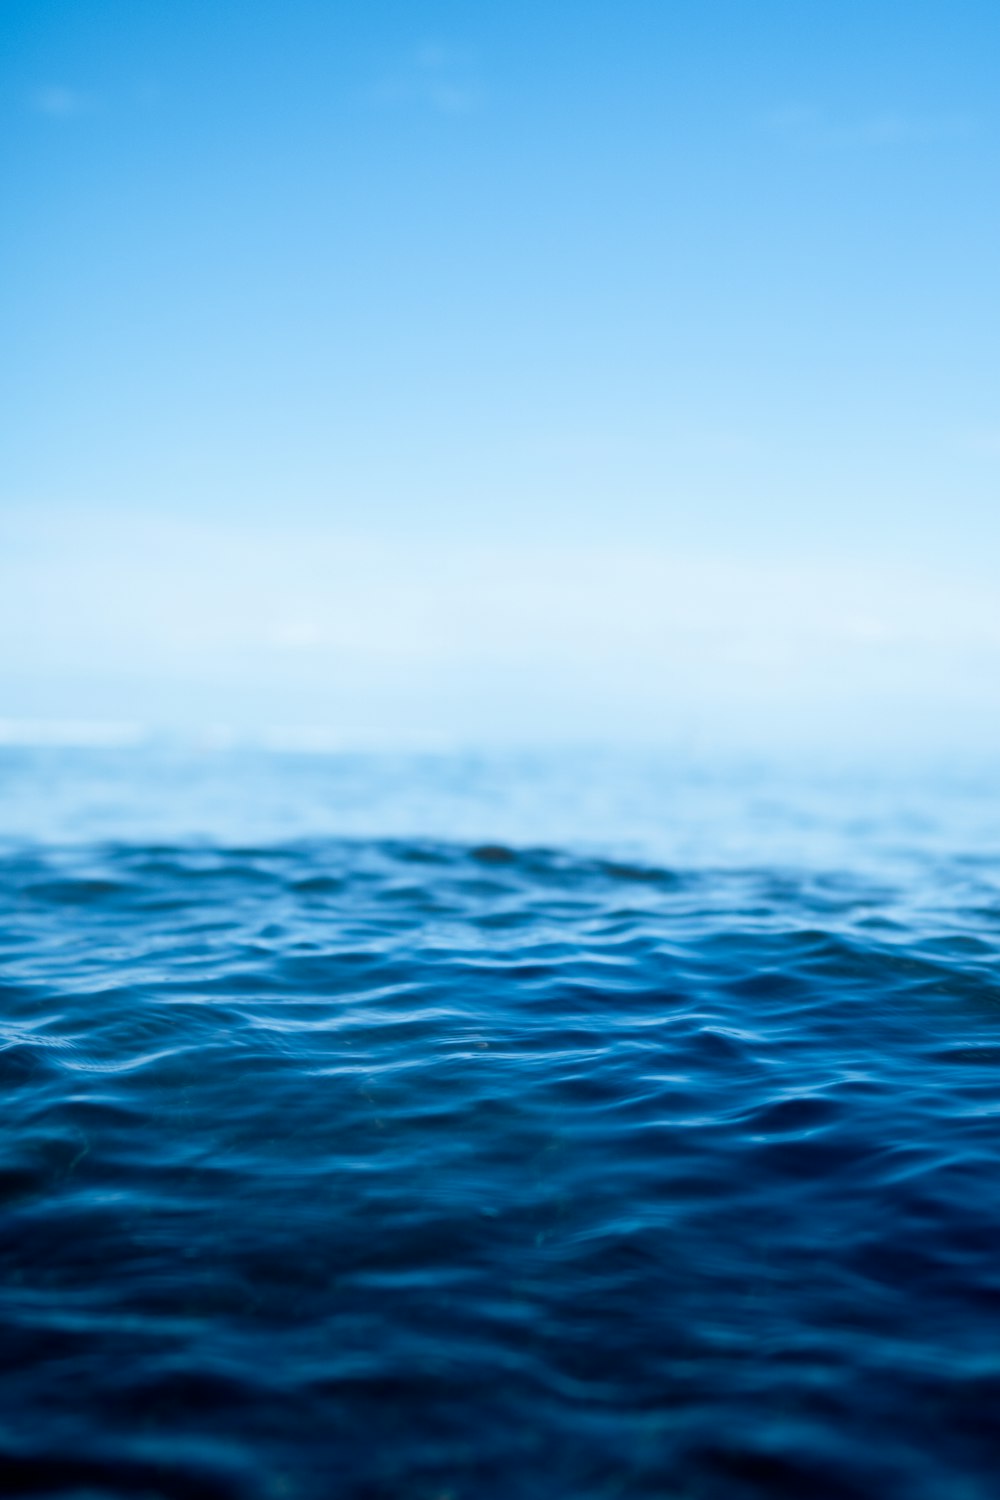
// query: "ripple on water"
[[383, 1168]]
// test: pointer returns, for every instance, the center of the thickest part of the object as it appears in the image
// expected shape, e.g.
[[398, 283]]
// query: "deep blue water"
[[616, 1164]]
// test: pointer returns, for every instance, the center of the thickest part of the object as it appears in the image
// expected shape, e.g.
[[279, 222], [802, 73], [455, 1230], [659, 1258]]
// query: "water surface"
[[399, 1152]]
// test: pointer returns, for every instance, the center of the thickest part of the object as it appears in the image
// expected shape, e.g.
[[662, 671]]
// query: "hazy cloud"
[[884, 128], [60, 102], [433, 77]]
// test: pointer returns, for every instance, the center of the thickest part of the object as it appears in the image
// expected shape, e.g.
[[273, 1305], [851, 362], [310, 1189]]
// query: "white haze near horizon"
[[296, 633]]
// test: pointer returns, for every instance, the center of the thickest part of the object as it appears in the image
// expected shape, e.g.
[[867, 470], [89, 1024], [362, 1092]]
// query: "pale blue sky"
[[528, 369]]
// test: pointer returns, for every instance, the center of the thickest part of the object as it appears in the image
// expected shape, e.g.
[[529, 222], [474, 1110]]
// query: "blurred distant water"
[[555, 1125], [706, 810]]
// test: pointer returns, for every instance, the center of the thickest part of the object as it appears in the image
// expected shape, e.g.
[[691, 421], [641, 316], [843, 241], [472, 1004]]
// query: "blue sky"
[[522, 371]]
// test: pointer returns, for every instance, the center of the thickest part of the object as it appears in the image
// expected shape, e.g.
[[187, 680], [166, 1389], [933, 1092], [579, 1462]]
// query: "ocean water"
[[459, 1127]]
